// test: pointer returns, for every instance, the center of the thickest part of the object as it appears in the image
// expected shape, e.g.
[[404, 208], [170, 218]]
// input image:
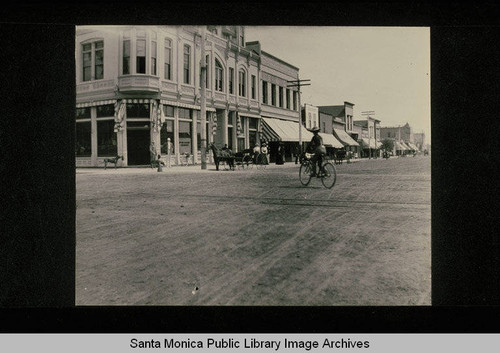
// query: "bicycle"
[[328, 176]]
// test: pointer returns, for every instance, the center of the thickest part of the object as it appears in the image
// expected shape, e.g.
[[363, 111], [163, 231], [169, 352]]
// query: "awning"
[[405, 146], [399, 146], [366, 143], [283, 130], [185, 105], [378, 143], [330, 140], [412, 146], [95, 103], [345, 138]]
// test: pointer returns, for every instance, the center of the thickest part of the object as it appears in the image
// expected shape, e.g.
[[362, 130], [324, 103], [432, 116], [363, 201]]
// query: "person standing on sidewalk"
[[256, 152], [263, 150], [296, 151]]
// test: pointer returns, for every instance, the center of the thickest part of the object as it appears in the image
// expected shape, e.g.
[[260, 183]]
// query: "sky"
[[380, 69]]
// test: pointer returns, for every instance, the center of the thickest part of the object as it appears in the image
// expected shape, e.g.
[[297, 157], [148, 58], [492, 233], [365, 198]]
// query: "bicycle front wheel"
[[305, 173], [330, 175]]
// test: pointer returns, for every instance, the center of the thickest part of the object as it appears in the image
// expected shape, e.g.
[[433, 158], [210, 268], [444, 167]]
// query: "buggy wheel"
[[305, 173], [247, 161], [330, 175]]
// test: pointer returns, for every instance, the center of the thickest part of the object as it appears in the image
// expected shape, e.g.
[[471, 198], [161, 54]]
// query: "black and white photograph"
[[252, 165]]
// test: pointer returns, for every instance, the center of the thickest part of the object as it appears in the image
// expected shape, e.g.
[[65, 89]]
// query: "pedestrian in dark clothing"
[[280, 159], [297, 154]]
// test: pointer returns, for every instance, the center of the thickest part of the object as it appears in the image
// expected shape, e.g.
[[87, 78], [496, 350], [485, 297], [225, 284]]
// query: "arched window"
[[241, 83], [219, 76]]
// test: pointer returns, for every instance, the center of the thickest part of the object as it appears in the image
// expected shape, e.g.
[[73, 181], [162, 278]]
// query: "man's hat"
[[315, 128]]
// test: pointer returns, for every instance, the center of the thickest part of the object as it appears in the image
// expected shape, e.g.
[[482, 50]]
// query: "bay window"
[[140, 56]]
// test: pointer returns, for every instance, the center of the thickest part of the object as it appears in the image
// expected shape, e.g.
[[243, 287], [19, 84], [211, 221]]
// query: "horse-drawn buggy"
[[229, 160], [244, 159]]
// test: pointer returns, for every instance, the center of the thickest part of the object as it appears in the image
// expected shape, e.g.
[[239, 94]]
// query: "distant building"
[[402, 136], [341, 124], [419, 140], [369, 139]]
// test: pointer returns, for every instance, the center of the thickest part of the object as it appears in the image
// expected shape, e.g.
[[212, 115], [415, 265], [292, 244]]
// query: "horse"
[[112, 160], [222, 156]]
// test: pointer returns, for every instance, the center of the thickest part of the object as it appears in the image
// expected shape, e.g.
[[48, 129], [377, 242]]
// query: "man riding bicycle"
[[316, 147]]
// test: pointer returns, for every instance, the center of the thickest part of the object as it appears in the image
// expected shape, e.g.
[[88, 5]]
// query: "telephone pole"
[[298, 84], [203, 102], [368, 117]]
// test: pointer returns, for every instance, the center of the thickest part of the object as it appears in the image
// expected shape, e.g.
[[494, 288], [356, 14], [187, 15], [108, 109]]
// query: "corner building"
[[138, 87]]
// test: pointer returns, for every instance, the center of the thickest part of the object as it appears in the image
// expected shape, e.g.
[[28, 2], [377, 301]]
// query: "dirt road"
[[252, 237]]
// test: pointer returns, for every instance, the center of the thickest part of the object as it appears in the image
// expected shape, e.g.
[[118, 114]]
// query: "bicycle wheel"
[[330, 175], [305, 173]]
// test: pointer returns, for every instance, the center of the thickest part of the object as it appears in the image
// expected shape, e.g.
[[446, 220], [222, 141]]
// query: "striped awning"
[[399, 146], [368, 143], [185, 105], [95, 103], [412, 146], [330, 140], [405, 146], [344, 138], [283, 130]]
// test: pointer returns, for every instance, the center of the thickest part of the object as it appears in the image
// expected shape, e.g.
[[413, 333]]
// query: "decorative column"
[[93, 136], [155, 118], [246, 122], [194, 137], [223, 125], [176, 134]]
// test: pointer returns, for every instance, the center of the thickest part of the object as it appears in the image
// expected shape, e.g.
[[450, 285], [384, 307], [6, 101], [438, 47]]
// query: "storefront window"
[[185, 137], [105, 110], [106, 138], [82, 113], [241, 144], [168, 110], [83, 139], [184, 113], [167, 131], [230, 137], [138, 110], [252, 138], [252, 123]]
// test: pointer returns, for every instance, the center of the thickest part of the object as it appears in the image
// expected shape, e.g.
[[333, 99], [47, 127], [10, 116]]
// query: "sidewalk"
[[192, 168]]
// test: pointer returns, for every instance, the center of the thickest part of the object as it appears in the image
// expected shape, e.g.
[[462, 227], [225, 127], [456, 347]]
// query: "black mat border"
[[37, 193]]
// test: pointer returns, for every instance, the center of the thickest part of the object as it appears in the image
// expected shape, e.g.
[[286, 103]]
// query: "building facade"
[[138, 91], [279, 104], [402, 136], [369, 137]]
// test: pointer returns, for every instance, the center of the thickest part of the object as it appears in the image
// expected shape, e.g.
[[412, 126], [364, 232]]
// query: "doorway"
[[138, 141]]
